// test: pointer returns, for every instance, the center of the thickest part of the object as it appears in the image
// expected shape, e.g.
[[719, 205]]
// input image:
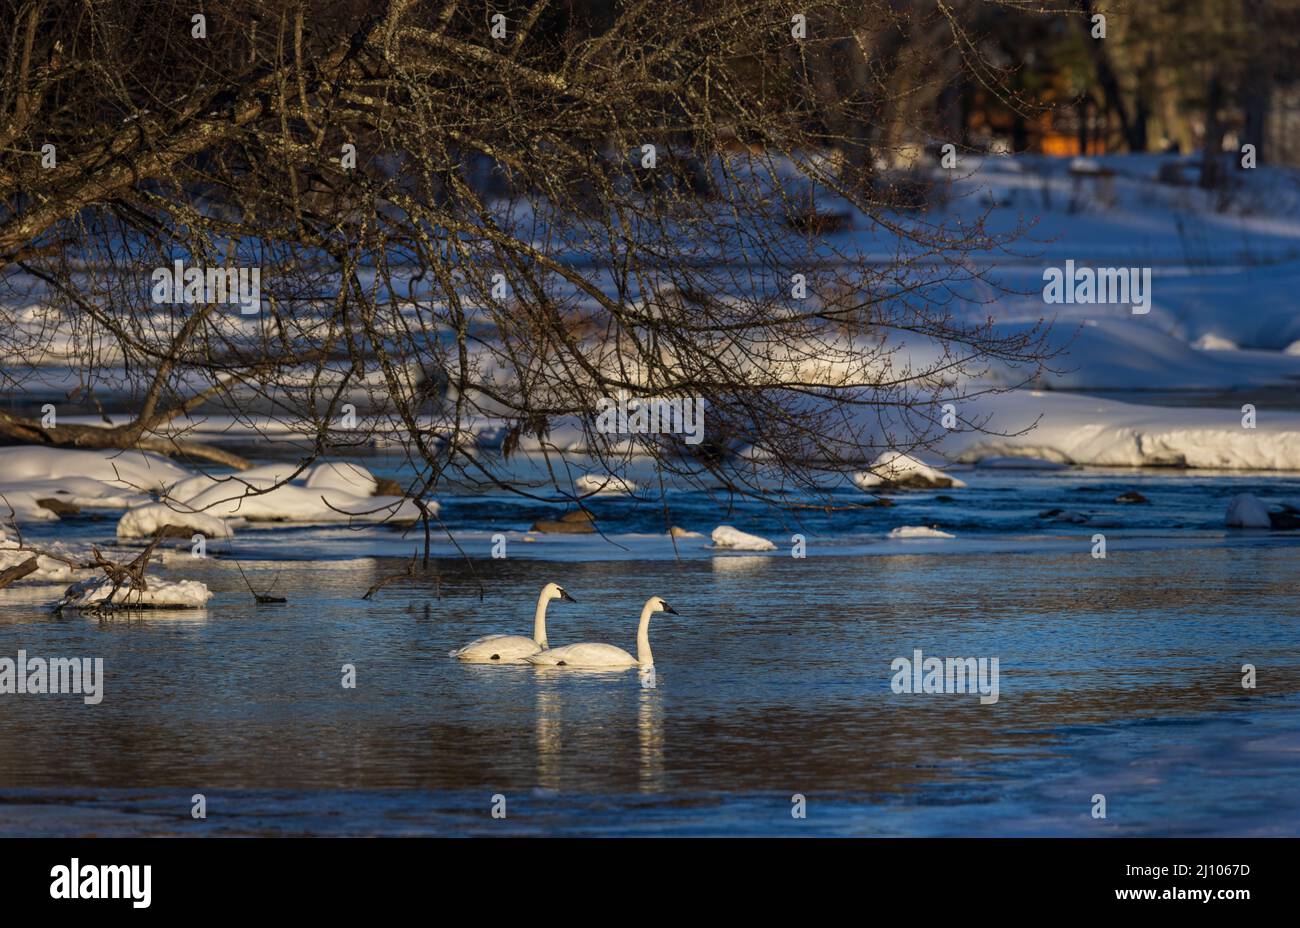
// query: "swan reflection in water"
[[650, 738], [548, 727]]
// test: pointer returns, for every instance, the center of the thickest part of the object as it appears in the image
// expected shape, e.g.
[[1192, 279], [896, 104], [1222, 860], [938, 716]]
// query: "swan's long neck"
[[643, 655], [539, 620]]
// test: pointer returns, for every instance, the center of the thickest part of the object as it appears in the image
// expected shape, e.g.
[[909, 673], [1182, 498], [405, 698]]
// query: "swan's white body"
[[497, 649], [587, 654], [595, 656], [512, 649]]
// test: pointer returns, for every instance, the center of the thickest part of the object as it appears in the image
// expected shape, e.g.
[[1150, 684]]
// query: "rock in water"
[[574, 522], [60, 507], [1288, 520], [1064, 515], [895, 469]]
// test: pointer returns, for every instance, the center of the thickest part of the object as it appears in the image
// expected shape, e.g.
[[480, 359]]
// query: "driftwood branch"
[[17, 572]]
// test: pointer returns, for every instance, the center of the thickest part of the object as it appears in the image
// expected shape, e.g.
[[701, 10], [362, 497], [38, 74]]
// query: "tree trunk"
[[1256, 98], [1212, 146], [1109, 83], [122, 438]]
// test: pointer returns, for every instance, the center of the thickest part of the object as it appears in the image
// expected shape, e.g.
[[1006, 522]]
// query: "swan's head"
[[555, 591], [657, 604]]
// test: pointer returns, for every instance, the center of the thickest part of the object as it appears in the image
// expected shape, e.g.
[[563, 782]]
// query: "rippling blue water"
[[1119, 677]]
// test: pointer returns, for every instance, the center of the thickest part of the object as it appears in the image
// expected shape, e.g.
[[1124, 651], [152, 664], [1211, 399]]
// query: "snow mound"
[[918, 531], [895, 469], [132, 470], [144, 521], [161, 594], [24, 495], [326, 493], [604, 485], [1211, 342], [1246, 511], [351, 478], [724, 536]]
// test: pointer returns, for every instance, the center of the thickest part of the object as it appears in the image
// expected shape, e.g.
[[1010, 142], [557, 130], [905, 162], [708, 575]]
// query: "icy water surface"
[[1119, 677]]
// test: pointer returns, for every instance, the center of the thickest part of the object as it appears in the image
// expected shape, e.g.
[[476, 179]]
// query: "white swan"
[[512, 649], [605, 656]]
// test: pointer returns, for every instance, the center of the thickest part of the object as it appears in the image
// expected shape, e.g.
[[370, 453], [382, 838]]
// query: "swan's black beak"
[[565, 597], [669, 609]]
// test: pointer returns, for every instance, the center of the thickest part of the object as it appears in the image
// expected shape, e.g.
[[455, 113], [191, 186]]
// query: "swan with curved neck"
[[512, 649], [593, 656]]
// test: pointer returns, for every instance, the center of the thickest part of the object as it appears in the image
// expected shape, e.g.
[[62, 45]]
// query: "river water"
[[1118, 677]]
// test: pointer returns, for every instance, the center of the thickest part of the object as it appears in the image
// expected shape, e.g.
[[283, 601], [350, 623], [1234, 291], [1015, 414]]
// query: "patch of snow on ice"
[[604, 485], [724, 536], [161, 594], [918, 531]]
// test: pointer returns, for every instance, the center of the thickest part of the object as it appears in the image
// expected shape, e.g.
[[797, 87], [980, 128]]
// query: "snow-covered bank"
[[1075, 429], [141, 471], [39, 483], [1104, 350], [324, 494]]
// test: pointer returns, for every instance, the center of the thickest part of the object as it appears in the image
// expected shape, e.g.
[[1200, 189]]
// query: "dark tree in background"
[[510, 211]]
